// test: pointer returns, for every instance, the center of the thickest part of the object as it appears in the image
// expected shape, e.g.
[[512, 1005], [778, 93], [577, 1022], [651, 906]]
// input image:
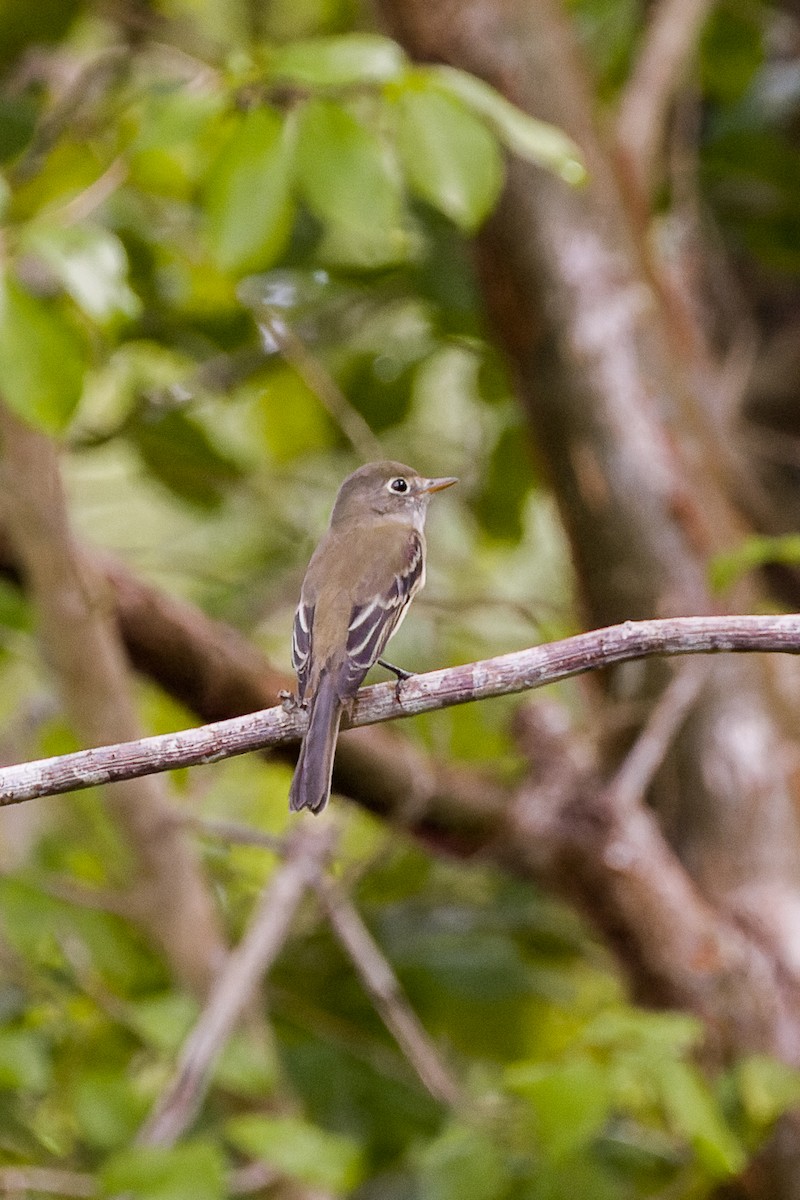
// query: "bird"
[[358, 586]]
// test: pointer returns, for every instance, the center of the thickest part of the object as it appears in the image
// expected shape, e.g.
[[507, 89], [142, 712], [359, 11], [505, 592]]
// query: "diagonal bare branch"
[[371, 964], [235, 987], [629, 785], [316, 377], [387, 995]]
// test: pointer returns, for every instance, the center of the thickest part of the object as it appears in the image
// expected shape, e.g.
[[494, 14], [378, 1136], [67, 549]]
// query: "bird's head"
[[389, 489]]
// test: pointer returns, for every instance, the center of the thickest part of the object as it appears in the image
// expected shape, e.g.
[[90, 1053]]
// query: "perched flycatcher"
[[358, 586]]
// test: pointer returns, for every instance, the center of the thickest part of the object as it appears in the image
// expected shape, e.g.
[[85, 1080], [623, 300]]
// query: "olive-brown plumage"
[[357, 589]]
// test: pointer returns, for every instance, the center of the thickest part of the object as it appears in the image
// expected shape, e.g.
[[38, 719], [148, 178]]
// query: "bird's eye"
[[399, 485]]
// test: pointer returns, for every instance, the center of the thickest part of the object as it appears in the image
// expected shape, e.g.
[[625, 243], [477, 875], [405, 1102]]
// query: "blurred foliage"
[[754, 552], [568, 1085], [201, 198]]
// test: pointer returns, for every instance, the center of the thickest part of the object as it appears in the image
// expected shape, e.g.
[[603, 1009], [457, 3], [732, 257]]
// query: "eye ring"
[[399, 485]]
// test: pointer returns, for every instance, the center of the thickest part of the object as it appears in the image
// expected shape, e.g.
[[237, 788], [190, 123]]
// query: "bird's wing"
[[301, 644], [372, 624]]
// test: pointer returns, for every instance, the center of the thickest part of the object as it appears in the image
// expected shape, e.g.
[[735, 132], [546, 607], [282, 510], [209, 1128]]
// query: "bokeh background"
[[553, 249]]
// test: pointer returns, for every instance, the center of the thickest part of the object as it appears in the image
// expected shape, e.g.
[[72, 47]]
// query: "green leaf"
[[290, 417], [610, 32], [522, 134], [107, 1107], [695, 1113], [507, 482], [42, 358], [571, 1101], [318, 1158], [731, 51], [339, 61], [462, 1162], [349, 183], [24, 1061], [15, 609], [18, 115], [179, 452], [163, 1021], [380, 388], [194, 1171], [248, 201], [726, 568], [177, 138], [91, 264], [23, 25], [246, 1067], [767, 1088], [450, 158], [653, 1033]]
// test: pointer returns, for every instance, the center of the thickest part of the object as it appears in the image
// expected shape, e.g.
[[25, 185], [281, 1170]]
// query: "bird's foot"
[[401, 674], [289, 701]]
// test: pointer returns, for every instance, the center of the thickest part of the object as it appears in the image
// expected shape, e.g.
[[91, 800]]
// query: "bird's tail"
[[311, 785]]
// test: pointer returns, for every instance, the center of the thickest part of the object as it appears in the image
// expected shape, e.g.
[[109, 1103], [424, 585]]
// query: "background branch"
[[232, 992], [169, 896], [667, 46], [635, 775], [387, 995]]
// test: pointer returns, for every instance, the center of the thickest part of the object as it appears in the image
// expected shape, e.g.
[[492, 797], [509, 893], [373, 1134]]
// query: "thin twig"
[[372, 966], [245, 967], [387, 995], [507, 674], [321, 383], [636, 773], [86, 202]]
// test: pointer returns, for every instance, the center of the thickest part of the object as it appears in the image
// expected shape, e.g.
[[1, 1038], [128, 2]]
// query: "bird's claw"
[[289, 702], [400, 672]]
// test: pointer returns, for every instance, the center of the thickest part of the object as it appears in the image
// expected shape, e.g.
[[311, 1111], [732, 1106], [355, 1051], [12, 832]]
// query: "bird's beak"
[[437, 485]]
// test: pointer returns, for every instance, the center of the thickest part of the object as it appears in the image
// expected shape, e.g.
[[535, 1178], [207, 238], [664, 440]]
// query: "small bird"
[[357, 589]]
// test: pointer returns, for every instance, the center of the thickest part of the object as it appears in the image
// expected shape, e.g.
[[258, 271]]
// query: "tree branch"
[[82, 645], [668, 44], [218, 673], [387, 995], [505, 675], [631, 782], [319, 380], [232, 992]]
